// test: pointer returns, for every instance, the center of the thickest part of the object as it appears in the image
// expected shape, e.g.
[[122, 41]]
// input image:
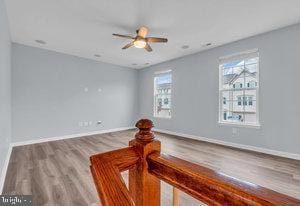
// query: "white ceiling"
[[84, 27]]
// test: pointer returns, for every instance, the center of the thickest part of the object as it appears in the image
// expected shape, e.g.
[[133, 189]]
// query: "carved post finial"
[[144, 133]]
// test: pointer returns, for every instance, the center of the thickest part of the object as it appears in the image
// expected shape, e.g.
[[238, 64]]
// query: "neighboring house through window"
[[239, 86], [162, 94]]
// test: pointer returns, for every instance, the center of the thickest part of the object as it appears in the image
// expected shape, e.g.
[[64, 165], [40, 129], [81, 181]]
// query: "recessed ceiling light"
[[97, 55], [40, 41], [134, 64], [185, 47]]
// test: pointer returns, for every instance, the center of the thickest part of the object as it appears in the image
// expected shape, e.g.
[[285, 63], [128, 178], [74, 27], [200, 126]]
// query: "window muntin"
[[162, 95], [239, 86]]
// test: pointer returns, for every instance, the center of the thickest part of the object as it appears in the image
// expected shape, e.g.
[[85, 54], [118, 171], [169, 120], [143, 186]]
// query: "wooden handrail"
[[106, 170], [147, 166], [211, 187]]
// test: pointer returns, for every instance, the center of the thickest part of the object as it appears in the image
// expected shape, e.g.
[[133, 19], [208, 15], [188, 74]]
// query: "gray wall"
[[5, 85], [49, 97], [195, 92]]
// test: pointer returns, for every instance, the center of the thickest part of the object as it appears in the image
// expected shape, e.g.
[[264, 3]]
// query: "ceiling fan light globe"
[[139, 44]]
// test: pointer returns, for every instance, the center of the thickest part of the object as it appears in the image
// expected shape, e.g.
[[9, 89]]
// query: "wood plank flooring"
[[57, 173]]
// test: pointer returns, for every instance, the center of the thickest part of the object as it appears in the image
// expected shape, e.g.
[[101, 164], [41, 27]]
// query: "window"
[[250, 101], [247, 100], [239, 101], [225, 115], [159, 101], [252, 84], [244, 101], [166, 101], [239, 84], [162, 91]]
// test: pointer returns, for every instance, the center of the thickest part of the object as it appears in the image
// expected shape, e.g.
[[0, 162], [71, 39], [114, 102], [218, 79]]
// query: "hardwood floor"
[[57, 173]]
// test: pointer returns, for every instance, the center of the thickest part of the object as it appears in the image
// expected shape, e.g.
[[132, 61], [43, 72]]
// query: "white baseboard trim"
[[48, 139], [4, 169], [235, 145]]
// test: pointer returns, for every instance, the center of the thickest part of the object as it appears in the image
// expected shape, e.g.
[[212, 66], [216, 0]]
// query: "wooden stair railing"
[[147, 166]]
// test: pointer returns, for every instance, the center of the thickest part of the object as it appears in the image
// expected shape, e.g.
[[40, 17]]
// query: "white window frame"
[[157, 74], [233, 57]]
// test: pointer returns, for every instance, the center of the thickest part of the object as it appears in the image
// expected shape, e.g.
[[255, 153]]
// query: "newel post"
[[144, 187]]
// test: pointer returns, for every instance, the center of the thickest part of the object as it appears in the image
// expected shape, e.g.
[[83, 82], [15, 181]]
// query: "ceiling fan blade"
[[155, 39], [142, 31], [148, 48], [124, 36], [128, 45]]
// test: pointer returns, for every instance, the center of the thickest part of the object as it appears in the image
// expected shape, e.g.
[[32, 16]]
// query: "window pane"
[[251, 61], [226, 77], [252, 68], [228, 103], [233, 117], [233, 107], [250, 108], [237, 98], [162, 103], [250, 119], [231, 71]]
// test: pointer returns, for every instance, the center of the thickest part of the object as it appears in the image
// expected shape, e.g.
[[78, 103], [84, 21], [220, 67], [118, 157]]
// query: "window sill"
[[160, 117], [254, 126]]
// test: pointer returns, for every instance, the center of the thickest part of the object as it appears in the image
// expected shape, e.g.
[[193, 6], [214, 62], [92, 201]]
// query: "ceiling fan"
[[140, 40]]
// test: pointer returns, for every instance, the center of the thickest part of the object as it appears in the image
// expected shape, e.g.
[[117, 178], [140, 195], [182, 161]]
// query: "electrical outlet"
[[234, 130], [80, 124], [86, 124], [90, 123]]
